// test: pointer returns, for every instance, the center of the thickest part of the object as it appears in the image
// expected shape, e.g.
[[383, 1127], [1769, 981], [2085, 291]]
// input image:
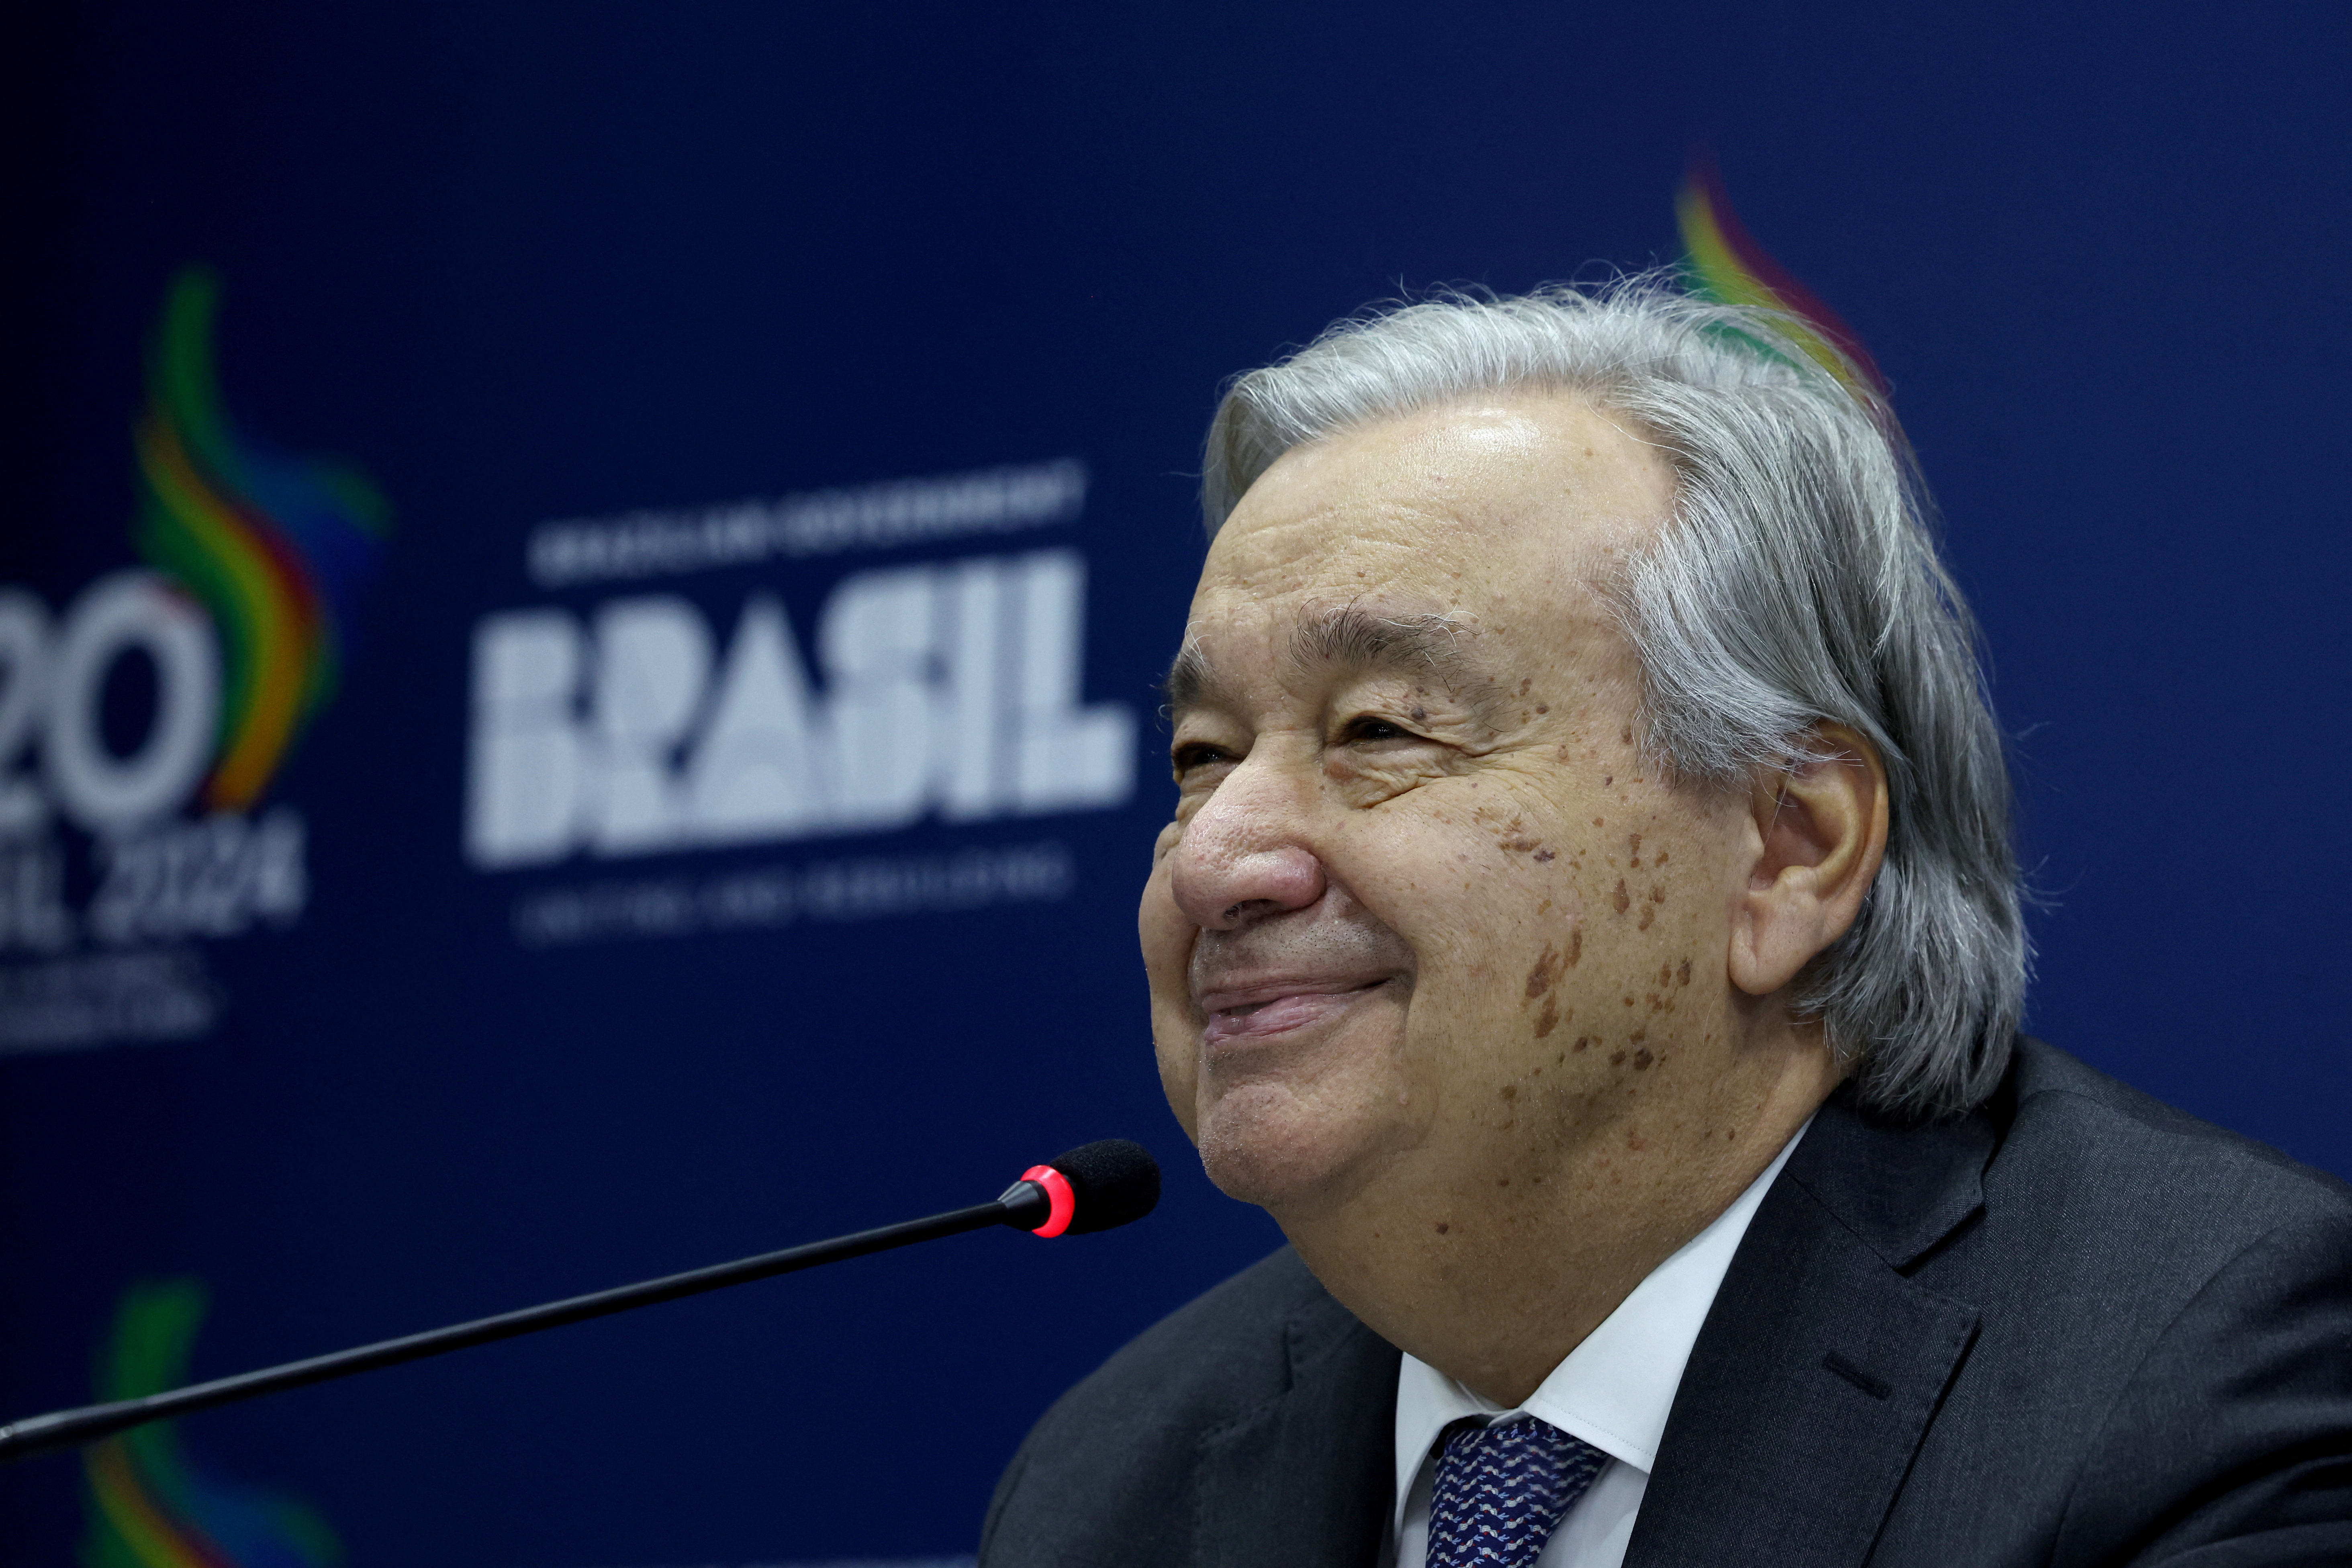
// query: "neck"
[[1495, 1272]]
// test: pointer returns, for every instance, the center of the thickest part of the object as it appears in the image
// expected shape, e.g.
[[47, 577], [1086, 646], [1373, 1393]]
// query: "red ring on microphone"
[[1057, 1189]]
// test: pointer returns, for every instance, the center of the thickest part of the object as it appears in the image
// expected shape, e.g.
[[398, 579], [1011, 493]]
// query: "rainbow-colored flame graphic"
[[1725, 264], [275, 546], [149, 1506]]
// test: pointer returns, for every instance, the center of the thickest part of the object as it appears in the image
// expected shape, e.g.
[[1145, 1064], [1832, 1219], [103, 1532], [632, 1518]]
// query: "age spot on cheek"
[[1545, 975], [1548, 1019]]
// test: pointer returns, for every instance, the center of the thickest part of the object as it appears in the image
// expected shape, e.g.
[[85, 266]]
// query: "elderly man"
[[1589, 927]]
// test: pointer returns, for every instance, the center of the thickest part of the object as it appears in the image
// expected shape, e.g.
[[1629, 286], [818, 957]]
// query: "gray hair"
[[1797, 583]]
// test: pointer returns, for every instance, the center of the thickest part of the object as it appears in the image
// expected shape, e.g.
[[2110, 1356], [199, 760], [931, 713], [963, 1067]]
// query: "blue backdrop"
[[676, 783]]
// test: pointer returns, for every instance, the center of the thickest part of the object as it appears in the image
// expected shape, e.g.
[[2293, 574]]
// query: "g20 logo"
[[155, 875], [143, 723], [53, 680]]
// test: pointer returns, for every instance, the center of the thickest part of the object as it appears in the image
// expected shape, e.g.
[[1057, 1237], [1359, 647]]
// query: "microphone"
[[1095, 1187]]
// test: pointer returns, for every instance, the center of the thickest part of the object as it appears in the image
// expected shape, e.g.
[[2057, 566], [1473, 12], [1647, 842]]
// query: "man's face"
[[1421, 915]]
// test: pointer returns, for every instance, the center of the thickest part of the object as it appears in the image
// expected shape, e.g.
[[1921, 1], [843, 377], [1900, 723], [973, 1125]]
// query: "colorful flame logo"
[[1724, 263], [150, 1508], [275, 546]]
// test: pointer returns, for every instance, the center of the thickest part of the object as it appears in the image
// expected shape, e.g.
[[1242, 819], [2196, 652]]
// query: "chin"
[[1262, 1144]]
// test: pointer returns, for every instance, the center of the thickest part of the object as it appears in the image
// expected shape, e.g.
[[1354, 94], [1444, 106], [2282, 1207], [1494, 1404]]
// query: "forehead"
[[1498, 516]]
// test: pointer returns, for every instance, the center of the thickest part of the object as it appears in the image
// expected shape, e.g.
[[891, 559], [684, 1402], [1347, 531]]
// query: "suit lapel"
[[1820, 1363], [1305, 1480]]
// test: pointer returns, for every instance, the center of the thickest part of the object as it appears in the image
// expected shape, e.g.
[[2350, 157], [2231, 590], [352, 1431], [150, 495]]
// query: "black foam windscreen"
[[1114, 1181]]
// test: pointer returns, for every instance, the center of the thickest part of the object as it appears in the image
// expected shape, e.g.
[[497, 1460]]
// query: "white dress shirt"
[[1613, 1392]]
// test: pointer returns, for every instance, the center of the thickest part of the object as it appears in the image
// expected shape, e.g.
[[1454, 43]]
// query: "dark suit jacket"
[[2076, 1328]]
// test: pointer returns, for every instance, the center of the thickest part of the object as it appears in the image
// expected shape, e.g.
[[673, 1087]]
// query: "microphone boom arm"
[[1024, 1204]]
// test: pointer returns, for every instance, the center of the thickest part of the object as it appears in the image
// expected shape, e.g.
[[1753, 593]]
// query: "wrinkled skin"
[[1488, 1018]]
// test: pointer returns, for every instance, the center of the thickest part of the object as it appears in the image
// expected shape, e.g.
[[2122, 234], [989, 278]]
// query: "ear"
[[1819, 833]]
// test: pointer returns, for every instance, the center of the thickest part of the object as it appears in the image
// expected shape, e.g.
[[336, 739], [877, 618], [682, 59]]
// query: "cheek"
[[1653, 948], [1432, 864], [1547, 920], [1474, 877]]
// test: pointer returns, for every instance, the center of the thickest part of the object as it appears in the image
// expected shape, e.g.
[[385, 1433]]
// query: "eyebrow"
[[1352, 637]]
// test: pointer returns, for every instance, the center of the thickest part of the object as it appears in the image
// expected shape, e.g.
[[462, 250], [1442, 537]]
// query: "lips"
[[1242, 1015]]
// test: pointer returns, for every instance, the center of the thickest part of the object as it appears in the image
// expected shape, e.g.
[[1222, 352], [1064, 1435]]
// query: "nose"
[[1245, 855]]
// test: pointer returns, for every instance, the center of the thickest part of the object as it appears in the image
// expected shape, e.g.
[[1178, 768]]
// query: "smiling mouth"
[[1265, 1012]]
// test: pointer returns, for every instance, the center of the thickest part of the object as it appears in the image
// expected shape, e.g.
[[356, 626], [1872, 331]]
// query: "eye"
[[1193, 755], [1366, 727]]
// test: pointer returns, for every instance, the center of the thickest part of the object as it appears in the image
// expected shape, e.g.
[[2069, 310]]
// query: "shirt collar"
[[1614, 1390]]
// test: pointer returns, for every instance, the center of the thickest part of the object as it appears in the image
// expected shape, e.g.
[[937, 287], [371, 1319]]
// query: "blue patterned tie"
[[1502, 1490]]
